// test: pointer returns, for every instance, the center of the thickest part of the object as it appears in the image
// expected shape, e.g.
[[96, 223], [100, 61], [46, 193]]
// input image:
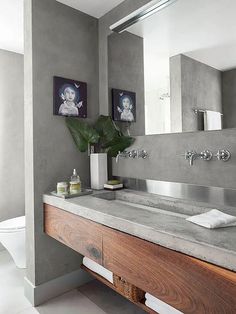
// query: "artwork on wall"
[[70, 98], [123, 105]]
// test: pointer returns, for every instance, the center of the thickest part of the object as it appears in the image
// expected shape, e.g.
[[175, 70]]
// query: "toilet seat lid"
[[14, 224]]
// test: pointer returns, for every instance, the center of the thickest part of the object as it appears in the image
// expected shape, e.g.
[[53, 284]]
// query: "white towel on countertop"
[[212, 120], [98, 269], [159, 306], [213, 219]]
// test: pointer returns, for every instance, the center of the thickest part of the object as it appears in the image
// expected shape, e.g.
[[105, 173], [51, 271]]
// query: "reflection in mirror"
[[126, 72], [181, 63]]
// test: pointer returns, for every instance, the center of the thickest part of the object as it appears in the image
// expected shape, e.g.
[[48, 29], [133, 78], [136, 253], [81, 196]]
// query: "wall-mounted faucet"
[[134, 153], [193, 155], [207, 155], [190, 156], [123, 154]]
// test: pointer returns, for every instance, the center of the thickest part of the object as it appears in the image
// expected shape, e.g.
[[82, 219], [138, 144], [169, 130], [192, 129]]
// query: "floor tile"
[[108, 300], [72, 302], [30, 310], [11, 289]]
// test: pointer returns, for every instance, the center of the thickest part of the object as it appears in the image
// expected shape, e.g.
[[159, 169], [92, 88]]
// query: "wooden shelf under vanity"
[[140, 304], [184, 282]]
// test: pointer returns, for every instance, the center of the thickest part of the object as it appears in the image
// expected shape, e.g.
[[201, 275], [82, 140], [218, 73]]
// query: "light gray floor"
[[108, 300], [92, 298], [11, 286]]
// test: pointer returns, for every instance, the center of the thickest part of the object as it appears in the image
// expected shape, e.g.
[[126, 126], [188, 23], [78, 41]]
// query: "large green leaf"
[[107, 130], [82, 133], [105, 133], [111, 138]]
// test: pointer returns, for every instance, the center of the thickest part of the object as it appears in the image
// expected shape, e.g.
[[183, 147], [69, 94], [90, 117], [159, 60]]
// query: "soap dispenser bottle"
[[75, 183]]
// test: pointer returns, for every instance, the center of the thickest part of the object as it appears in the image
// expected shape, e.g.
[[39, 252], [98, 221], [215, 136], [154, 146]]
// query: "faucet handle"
[[206, 155], [188, 154], [142, 154], [223, 154], [133, 153]]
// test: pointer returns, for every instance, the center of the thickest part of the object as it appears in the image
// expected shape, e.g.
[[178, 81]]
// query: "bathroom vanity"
[[186, 266]]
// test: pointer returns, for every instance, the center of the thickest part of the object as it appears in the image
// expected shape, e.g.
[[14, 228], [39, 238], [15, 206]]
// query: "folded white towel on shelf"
[[159, 306], [213, 219], [98, 269], [212, 120]]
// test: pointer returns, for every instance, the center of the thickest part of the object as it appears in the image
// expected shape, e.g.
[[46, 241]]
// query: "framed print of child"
[[70, 98], [123, 105]]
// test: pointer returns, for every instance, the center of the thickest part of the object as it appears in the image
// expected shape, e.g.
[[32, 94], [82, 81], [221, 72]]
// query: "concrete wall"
[[11, 135], [229, 98], [126, 71], [166, 159], [64, 42], [200, 87], [12, 201]]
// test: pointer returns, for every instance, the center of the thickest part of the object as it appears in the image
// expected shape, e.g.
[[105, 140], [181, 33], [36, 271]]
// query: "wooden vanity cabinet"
[[82, 235], [186, 283]]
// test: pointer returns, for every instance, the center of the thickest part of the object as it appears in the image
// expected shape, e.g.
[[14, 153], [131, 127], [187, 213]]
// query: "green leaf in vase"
[[82, 133]]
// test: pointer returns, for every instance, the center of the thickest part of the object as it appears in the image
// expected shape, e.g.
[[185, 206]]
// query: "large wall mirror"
[[181, 64]]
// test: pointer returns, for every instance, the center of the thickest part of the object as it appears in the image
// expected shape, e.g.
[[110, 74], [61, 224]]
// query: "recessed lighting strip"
[[140, 14]]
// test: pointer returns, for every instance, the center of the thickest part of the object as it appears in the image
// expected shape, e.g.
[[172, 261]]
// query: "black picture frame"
[[123, 105], [69, 97]]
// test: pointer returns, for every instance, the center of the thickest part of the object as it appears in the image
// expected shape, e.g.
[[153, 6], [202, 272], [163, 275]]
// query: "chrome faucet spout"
[[118, 156], [123, 154], [192, 157]]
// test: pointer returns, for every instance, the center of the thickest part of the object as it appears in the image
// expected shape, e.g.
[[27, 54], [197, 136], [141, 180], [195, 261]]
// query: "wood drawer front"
[[186, 283], [82, 235]]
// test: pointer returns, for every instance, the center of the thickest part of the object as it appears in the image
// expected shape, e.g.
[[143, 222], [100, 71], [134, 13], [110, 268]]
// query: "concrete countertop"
[[169, 230]]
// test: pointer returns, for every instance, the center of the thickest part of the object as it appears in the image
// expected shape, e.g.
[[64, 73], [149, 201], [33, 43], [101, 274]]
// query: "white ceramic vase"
[[98, 170]]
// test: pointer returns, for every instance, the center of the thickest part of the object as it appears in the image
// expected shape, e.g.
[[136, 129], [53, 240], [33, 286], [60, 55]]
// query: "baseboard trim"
[[40, 294]]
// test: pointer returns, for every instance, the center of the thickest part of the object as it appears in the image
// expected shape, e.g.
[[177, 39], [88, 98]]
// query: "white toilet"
[[12, 237]]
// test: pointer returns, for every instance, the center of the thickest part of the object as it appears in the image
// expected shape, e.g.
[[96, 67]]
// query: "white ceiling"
[[11, 22], [11, 25], [96, 8], [204, 30]]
